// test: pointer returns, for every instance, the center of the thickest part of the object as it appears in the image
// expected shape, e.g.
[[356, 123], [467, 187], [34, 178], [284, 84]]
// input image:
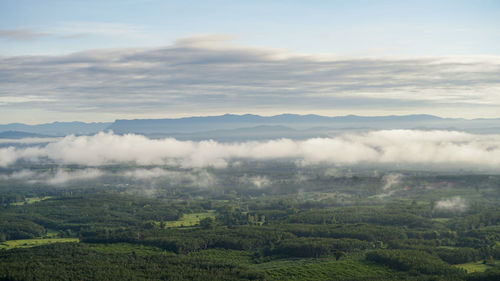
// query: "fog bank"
[[448, 148]]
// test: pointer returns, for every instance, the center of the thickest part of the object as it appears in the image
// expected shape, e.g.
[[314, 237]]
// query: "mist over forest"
[[385, 195], [250, 140]]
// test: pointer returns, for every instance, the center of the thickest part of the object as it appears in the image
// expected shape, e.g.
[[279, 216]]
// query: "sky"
[[106, 60]]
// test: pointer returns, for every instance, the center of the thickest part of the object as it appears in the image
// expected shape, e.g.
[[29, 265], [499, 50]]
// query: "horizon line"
[[248, 114]]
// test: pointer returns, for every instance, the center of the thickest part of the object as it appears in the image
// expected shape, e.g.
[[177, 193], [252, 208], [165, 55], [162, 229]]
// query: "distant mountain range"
[[20, 135], [230, 127], [56, 128]]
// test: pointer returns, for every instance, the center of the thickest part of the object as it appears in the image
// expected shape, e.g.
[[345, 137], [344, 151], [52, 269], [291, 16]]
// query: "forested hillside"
[[334, 230]]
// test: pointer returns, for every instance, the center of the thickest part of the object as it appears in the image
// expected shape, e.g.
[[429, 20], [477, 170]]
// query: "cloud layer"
[[60, 176], [209, 75], [449, 149]]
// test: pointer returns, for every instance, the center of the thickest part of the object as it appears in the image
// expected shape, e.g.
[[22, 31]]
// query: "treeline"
[[416, 262], [183, 241], [70, 215], [318, 247], [421, 264], [407, 237], [70, 261], [411, 216]]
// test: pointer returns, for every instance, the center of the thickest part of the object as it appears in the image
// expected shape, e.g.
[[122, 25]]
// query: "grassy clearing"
[[27, 243], [477, 266], [442, 220], [31, 200], [328, 270], [51, 233], [125, 248], [190, 219]]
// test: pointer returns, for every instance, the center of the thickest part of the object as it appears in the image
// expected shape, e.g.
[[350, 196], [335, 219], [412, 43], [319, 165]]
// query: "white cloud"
[[200, 178], [147, 173], [62, 176], [19, 175], [256, 181], [457, 204], [449, 149], [390, 180], [58, 177], [8, 156]]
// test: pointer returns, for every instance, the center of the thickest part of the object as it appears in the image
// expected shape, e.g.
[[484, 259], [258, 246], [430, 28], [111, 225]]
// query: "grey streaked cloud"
[[21, 34], [207, 74], [447, 149]]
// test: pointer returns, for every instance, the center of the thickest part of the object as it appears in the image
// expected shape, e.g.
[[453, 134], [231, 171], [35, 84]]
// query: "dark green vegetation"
[[347, 226]]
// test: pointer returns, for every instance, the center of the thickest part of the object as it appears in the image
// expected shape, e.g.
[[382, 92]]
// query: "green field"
[[51, 234], [442, 220], [31, 200], [27, 243], [477, 266], [190, 219]]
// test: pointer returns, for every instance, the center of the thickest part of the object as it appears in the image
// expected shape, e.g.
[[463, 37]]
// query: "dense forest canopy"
[[254, 220]]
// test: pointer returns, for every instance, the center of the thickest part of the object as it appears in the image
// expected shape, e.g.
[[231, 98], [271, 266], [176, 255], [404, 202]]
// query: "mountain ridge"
[[231, 124]]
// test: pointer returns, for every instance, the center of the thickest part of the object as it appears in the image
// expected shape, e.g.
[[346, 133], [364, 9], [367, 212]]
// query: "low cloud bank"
[[58, 177], [194, 177], [447, 148]]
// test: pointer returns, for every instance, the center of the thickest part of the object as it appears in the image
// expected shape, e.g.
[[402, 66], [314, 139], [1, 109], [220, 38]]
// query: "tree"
[[338, 254], [207, 223]]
